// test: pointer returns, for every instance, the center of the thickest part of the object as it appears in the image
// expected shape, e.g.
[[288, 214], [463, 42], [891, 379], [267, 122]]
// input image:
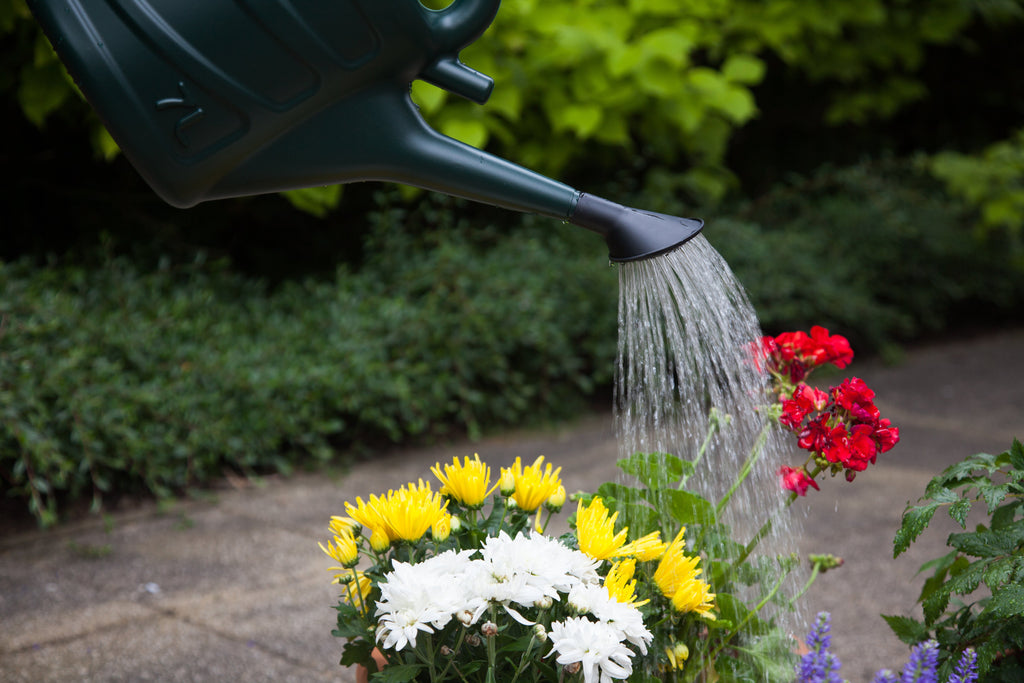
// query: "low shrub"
[[120, 380]]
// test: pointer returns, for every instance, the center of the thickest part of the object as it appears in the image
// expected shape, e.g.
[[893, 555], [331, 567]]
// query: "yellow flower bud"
[[441, 528], [379, 540], [507, 482], [555, 502]]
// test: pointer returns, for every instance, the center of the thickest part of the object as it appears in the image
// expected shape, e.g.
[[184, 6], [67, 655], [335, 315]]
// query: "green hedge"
[[119, 380]]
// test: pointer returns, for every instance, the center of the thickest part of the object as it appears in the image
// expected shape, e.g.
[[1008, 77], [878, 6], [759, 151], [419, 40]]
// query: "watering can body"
[[221, 98]]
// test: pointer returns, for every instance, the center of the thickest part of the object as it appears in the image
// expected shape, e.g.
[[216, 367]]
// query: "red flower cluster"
[[794, 354], [842, 428], [848, 431]]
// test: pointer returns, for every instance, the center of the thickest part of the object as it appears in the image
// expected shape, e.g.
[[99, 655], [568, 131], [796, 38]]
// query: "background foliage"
[[858, 162]]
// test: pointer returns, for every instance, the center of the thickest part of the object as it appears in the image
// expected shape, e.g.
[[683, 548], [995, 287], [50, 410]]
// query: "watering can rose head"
[[842, 429]]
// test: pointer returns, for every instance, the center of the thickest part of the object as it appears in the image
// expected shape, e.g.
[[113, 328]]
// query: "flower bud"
[[473, 640], [465, 617], [507, 483], [557, 499], [489, 629], [540, 633], [825, 562], [573, 668], [441, 528], [379, 540], [544, 602], [445, 650], [677, 654]]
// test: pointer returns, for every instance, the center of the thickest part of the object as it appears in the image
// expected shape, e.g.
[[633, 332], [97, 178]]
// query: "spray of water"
[[686, 335]]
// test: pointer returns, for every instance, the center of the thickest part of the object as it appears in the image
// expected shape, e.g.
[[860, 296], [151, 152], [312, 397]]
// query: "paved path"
[[235, 588]]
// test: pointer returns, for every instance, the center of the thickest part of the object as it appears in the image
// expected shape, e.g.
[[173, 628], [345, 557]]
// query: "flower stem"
[[714, 427], [523, 659], [748, 465]]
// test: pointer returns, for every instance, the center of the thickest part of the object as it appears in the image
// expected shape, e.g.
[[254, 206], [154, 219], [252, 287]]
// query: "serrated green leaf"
[[1016, 455], [1006, 602], [908, 630], [959, 510], [915, 520], [939, 493], [987, 543], [1005, 515]]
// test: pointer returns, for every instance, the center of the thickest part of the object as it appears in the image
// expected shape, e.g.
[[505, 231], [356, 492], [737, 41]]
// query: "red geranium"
[[794, 354], [796, 479], [841, 428]]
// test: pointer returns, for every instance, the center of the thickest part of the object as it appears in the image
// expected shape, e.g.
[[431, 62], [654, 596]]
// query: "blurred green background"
[[859, 163]]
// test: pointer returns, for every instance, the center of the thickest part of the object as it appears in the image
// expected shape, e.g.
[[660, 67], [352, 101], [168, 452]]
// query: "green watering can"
[[223, 98]]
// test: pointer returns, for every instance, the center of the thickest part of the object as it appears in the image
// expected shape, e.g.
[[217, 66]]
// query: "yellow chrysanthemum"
[[676, 577], [344, 525], [694, 596], [372, 515], [414, 509], [343, 549], [595, 531], [533, 487], [645, 548], [405, 514], [466, 483], [621, 585]]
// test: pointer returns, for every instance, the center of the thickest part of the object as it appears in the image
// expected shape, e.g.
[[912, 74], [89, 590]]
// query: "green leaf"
[[908, 630], [730, 607], [1006, 602], [688, 508], [915, 520], [656, 470], [1016, 455], [318, 201], [959, 510], [987, 543], [398, 673]]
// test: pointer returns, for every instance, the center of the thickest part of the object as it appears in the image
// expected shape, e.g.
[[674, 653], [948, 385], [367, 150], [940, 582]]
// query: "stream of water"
[[686, 334]]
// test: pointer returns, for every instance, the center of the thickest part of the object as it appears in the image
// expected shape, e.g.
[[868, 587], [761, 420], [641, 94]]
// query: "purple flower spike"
[[885, 676], [967, 669], [924, 660], [819, 665]]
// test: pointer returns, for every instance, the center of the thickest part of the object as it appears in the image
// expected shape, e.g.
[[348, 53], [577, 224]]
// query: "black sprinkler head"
[[633, 234]]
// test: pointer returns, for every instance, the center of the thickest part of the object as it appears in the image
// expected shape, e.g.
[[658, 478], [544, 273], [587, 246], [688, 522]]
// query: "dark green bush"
[[118, 380]]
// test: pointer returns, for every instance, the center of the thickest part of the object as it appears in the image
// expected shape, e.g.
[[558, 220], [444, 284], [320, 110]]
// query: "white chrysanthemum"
[[414, 598], [547, 563], [485, 584], [623, 617], [595, 645]]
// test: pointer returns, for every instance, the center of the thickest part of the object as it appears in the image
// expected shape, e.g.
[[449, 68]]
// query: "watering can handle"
[[455, 27]]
